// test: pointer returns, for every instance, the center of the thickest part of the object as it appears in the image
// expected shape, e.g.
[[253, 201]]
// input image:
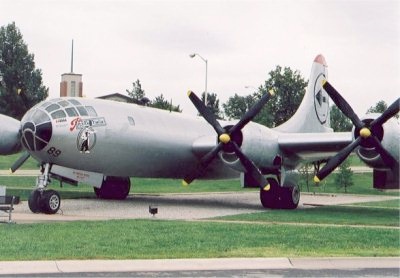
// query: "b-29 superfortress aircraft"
[[104, 143]]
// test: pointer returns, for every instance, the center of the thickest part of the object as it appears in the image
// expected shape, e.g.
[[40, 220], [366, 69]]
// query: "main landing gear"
[[41, 200], [278, 197], [114, 188]]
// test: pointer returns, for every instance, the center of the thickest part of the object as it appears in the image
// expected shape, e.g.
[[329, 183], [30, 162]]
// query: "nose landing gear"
[[41, 200]]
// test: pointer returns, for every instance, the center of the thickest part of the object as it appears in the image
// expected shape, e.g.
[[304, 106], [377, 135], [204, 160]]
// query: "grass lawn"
[[151, 239], [381, 204], [336, 215], [7, 160], [370, 230]]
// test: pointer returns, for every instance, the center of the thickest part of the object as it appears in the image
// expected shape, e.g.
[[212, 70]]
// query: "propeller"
[[226, 140], [20, 161], [367, 134], [10, 132]]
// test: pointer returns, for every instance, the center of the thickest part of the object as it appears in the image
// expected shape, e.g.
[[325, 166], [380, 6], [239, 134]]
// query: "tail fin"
[[313, 112]]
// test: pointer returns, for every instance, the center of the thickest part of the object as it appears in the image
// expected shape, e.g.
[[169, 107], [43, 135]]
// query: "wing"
[[309, 147]]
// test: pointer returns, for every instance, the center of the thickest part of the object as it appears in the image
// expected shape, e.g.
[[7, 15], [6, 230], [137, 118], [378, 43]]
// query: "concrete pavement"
[[107, 266], [194, 206]]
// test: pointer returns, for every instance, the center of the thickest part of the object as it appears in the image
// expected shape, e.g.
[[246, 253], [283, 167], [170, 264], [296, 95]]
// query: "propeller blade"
[[20, 161], [336, 160], [206, 113], [251, 169], [392, 110], [387, 158], [204, 162], [342, 104], [250, 114]]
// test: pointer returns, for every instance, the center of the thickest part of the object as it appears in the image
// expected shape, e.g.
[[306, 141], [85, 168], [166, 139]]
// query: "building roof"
[[117, 97]]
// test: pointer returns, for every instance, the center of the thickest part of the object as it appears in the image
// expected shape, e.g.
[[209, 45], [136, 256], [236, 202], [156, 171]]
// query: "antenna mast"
[[72, 57]]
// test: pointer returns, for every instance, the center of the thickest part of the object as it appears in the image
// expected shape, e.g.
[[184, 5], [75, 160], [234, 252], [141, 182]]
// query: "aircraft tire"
[[270, 199], [290, 197], [50, 202], [114, 188], [34, 201]]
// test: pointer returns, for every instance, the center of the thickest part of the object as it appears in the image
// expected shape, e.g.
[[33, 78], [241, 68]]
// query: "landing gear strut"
[[41, 200]]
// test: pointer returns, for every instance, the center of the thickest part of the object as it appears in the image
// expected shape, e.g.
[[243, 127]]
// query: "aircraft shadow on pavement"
[[212, 201]]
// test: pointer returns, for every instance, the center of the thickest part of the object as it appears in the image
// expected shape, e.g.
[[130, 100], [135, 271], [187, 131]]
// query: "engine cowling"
[[260, 144], [388, 134]]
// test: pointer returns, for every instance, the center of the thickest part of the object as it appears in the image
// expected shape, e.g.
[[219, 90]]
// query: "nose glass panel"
[[36, 130]]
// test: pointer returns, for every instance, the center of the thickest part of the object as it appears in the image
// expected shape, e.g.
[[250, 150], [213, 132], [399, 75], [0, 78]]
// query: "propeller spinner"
[[366, 133], [9, 135], [228, 139]]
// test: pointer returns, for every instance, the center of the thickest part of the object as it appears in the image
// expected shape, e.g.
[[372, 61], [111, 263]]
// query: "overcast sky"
[[117, 42]]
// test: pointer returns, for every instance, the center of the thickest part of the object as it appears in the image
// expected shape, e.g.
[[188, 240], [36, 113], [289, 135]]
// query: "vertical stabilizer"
[[313, 112]]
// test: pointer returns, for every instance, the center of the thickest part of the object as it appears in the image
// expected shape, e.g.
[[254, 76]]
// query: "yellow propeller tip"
[[189, 92], [267, 187], [316, 179], [324, 82], [224, 138], [365, 132], [271, 92], [184, 183], [11, 172]]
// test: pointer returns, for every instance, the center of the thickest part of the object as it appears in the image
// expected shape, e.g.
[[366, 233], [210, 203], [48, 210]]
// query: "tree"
[[304, 176], [344, 177], [289, 87], [213, 104], [379, 107], [137, 94], [21, 84], [237, 106], [339, 122], [161, 103]]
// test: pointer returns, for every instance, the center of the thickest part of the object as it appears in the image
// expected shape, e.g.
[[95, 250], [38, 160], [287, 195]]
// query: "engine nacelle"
[[258, 143], [389, 135]]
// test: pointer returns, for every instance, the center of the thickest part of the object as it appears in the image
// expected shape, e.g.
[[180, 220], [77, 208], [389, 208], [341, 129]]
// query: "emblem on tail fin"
[[321, 100]]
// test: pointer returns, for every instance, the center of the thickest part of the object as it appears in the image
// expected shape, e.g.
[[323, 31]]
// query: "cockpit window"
[[40, 117], [91, 111], [44, 104], [52, 107], [63, 103], [82, 111], [58, 114], [74, 102], [71, 112]]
